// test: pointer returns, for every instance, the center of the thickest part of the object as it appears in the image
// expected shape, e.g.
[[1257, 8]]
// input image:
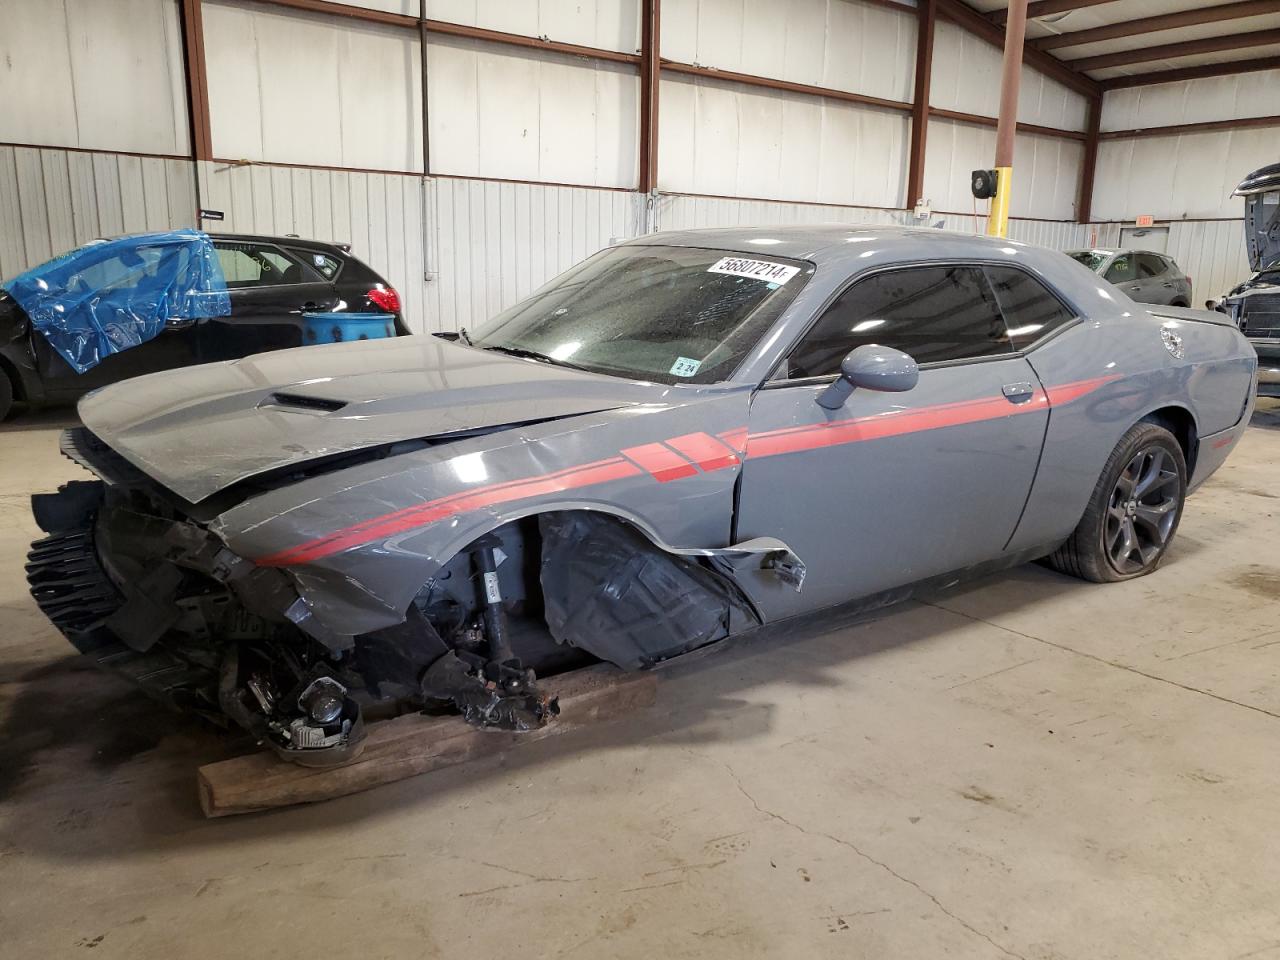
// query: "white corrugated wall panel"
[[54, 200], [966, 77], [95, 74], [1045, 169], [843, 44], [493, 243], [607, 24], [731, 140], [1213, 253], [379, 214], [293, 87], [1192, 101], [1188, 176], [516, 114]]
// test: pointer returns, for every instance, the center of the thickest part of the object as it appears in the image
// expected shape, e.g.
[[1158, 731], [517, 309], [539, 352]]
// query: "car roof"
[[287, 240], [835, 243]]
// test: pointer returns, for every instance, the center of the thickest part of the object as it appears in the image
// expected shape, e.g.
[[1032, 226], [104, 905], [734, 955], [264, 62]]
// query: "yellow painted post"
[[998, 218]]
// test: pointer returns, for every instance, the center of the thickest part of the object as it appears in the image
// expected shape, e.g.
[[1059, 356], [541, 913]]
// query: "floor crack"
[[860, 852], [1109, 663]]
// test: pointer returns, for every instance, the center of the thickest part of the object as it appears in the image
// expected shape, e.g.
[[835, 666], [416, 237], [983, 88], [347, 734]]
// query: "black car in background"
[[271, 281]]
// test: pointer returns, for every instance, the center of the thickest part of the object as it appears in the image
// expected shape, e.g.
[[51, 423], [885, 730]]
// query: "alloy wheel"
[[1142, 511]]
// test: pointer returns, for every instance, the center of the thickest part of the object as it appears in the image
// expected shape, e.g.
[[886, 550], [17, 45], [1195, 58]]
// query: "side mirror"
[[871, 367]]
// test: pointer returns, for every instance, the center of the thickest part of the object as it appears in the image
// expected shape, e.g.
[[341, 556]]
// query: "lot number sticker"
[[778, 273]]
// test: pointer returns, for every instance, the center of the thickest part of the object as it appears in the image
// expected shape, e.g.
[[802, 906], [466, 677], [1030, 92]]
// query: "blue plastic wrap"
[[111, 295]]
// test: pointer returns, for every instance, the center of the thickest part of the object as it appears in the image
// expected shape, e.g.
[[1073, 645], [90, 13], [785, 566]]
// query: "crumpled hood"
[[200, 429]]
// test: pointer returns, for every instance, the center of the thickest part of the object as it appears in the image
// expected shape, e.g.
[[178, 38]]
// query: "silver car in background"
[[1143, 275]]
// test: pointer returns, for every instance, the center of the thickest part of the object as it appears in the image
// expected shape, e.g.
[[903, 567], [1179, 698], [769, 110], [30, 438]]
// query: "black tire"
[[6, 395], [1133, 512]]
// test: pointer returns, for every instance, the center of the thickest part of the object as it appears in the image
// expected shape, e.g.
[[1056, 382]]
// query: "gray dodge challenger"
[[682, 438]]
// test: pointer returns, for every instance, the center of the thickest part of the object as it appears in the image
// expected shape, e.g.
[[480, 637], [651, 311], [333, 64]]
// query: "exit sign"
[[1145, 220]]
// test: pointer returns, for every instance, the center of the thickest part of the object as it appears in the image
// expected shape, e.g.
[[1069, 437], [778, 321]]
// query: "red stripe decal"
[[710, 453], [1066, 392], [664, 463], [735, 438], [705, 450], [379, 528], [838, 432]]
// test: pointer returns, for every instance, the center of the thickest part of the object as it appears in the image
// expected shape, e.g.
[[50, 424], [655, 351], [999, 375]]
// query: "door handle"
[[1136, 286], [311, 305], [1168, 284], [1018, 392]]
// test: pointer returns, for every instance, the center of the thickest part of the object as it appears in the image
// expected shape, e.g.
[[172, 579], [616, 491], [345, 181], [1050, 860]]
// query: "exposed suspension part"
[[496, 689]]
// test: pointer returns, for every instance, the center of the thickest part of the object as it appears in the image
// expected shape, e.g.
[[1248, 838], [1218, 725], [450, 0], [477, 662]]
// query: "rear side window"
[[1030, 310], [256, 265], [1150, 265], [932, 313], [323, 263]]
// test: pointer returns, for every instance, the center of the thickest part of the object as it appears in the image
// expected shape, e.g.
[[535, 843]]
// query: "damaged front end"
[[149, 592], [135, 578]]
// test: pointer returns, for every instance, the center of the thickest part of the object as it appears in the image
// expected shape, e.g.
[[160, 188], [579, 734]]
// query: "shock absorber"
[[495, 617]]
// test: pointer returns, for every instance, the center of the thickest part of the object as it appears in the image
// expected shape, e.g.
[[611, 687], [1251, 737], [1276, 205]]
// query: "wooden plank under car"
[[413, 744]]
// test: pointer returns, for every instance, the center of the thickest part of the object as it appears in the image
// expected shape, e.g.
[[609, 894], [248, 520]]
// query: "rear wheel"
[[6, 394], [1134, 511]]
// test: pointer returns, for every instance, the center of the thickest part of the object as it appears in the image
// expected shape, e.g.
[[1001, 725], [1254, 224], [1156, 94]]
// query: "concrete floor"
[[1029, 767]]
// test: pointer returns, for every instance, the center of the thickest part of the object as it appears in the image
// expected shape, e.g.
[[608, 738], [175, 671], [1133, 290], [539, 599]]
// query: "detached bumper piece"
[[70, 588]]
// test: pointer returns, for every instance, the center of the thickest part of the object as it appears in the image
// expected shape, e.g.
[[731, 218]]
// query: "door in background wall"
[[1155, 239]]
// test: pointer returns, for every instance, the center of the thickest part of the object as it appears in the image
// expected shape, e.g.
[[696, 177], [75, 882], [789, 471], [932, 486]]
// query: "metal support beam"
[[1046, 8], [197, 82], [1187, 48], [1165, 21], [926, 22], [982, 121], [965, 16], [1089, 163], [650, 69], [1192, 73], [769, 83], [1010, 76], [1178, 129]]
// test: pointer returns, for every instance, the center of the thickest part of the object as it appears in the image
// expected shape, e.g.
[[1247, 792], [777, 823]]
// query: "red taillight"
[[386, 298]]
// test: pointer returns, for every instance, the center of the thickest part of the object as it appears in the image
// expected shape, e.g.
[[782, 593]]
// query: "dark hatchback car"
[[1145, 276], [271, 282]]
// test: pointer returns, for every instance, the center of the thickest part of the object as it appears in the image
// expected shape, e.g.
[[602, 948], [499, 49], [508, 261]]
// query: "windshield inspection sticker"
[[684, 367], [778, 273]]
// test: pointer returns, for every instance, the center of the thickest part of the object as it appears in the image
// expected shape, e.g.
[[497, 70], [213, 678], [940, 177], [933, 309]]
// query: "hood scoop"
[[300, 401]]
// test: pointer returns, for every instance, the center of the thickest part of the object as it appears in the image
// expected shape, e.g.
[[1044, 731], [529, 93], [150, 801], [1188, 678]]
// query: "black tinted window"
[[1030, 310], [1150, 265], [931, 313]]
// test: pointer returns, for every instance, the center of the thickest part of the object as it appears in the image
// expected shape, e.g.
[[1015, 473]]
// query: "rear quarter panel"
[[1212, 383]]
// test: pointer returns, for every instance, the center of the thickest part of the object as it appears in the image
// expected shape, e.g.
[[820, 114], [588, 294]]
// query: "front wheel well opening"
[[1179, 422], [577, 586]]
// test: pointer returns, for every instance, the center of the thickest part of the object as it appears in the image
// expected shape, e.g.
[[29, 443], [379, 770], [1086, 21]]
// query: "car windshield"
[[670, 314], [1092, 259]]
